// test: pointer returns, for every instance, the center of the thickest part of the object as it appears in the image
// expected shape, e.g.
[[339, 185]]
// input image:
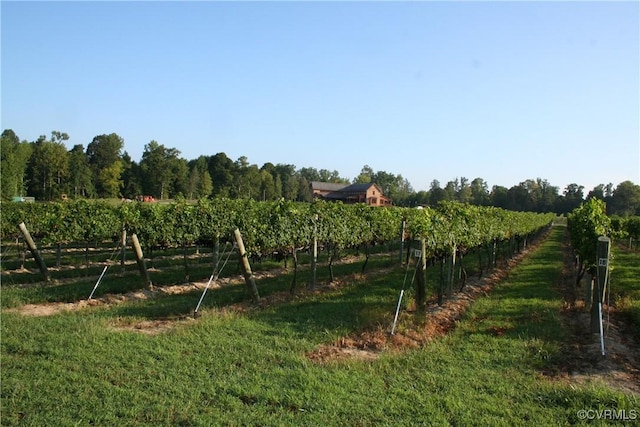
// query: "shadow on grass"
[[358, 306], [323, 310], [333, 313]]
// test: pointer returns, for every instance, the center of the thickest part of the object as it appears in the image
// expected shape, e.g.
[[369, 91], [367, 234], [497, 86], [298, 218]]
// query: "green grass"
[[251, 368], [625, 285]]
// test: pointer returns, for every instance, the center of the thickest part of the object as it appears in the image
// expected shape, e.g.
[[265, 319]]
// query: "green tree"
[[271, 188], [596, 193], [131, 177], [290, 188], [267, 186], [161, 170], [420, 198], [105, 157], [479, 192], [463, 193], [179, 185], [81, 177], [270, 168], [48, 166], [322, 175], [277, 187], [247, 180], [221, 170], [200, 183], [402, 191], [310, 174], [608, 190], [14, 158], [331, 176], [436, 193], [625, 200], [288, 179], [205, 186], [393, 186], [572, 198], [499, 196], [304, 190], [365, 176], [451, 189], [110, 179], [518, 197], [540, 197], [548, 196]]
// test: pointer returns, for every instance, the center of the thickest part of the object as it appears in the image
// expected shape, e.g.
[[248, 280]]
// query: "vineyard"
[[318, 347], [79, 238]]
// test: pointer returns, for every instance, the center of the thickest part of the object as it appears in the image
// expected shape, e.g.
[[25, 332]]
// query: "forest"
[[47, 170]]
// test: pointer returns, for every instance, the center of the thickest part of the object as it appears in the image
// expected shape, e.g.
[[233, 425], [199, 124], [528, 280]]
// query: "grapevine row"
[[585, 224], [626, 228], [269, 226]]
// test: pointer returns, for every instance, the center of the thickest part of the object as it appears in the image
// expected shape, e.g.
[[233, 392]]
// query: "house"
[[369, 193]]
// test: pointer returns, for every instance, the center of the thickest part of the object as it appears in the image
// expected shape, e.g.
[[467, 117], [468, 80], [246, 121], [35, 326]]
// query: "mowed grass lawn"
[[251, 368]]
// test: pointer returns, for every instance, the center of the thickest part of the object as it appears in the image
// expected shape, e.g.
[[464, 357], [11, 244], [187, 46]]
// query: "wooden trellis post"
[[142, 265], [123, 248], [246, 268], [34, 251]]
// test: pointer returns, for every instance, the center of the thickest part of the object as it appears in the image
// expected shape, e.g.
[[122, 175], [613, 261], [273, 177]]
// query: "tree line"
[[47, 170], [533, 195]]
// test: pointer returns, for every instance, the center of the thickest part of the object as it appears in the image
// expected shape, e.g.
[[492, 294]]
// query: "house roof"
[[327, 186], [358, 187]]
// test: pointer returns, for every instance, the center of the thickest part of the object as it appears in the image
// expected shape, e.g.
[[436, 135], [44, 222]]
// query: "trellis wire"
[[104, 270], [395, 319], [215, 273]]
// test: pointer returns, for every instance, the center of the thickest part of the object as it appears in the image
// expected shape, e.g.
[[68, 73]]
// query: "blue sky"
[[504, 91]]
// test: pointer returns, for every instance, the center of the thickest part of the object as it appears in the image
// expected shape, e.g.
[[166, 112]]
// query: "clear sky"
[[504, 91]]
